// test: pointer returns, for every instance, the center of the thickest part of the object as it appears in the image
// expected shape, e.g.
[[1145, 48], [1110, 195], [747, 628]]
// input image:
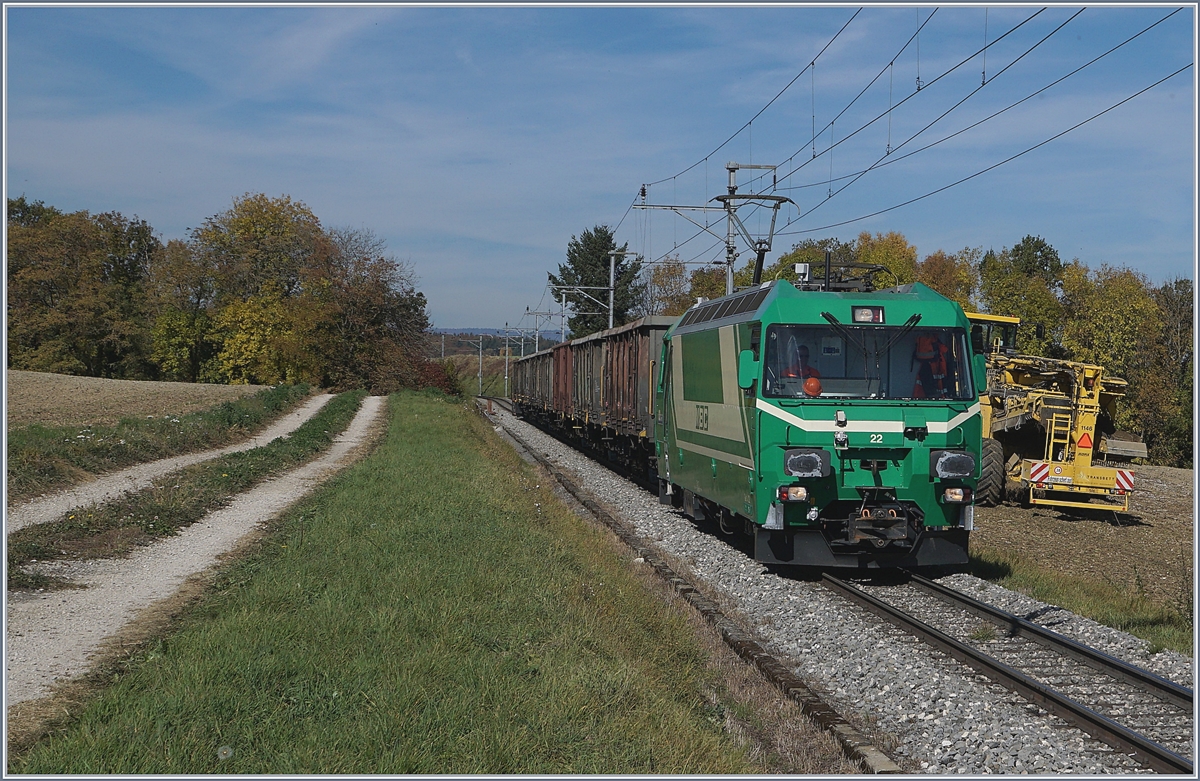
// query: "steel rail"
[[853, 744], [1165, 690], [1101, 727]]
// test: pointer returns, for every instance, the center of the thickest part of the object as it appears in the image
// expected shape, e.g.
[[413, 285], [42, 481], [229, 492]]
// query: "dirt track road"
[[53, 636], [51, 508]]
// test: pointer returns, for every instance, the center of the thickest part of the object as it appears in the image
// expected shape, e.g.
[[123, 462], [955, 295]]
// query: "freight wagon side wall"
[[532, 381], [562, 379]]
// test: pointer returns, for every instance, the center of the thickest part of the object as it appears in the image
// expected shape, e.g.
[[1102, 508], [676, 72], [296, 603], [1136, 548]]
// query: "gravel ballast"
[[930, 713]]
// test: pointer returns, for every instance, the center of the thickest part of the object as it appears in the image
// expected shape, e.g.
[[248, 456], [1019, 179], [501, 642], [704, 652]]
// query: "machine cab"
[[993, 333]]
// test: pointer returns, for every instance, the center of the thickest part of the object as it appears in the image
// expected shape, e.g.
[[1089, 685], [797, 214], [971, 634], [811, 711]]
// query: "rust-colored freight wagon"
[[599, 389]]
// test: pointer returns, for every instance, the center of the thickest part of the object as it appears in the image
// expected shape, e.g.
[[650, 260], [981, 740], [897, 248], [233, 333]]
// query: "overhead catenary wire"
[[764, 108], [892, 108], [911, 95], [995, 114], [994, 166], [810, 67], [1030, 96], [863, 91], [781, 179], [942, 116]]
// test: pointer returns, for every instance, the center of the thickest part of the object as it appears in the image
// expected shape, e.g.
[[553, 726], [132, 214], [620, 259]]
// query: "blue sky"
[[478, 141]]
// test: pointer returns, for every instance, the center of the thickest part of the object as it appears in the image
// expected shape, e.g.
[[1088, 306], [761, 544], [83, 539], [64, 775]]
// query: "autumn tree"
[[952, 275], [259, 241], [75, 286], [669, 287], [1175, 435], [182, 289], [1109, 317], [890, 250], [258, 252], [706, 282], [587, 266], [373, 322]]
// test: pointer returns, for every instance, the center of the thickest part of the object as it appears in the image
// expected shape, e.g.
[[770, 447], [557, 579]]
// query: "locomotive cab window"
[[868, 362]]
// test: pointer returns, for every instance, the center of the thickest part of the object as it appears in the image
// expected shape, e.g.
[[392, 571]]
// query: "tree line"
[[260, 293], [1110, 316]]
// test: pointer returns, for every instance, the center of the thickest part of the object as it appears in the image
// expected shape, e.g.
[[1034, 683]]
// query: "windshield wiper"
[[909, 324], [846, 333]]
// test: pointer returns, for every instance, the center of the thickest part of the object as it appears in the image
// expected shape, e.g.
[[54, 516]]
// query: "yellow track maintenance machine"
[[1048, 427]]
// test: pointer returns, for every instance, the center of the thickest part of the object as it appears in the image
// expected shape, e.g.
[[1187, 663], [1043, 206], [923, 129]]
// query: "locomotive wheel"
[[991, 480]]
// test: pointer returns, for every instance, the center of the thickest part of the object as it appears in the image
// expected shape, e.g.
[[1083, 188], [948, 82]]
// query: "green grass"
[[1107, 603], [433, 610], [172, 501], [42, 458]]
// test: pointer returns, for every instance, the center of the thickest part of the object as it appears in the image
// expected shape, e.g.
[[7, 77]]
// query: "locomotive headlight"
[[793, 493], [956, 495], [951, 463], [867, 314]]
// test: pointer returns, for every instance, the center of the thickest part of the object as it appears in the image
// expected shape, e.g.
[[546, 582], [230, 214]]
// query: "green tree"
[[28, 213], [130, 247], [373, 323], [1032, 256], [182, 289], [1005, 290], [1110, 318], [587, 266]]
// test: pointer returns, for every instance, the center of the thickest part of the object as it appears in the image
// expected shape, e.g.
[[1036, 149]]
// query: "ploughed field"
[[62, 400], [1149, 549]]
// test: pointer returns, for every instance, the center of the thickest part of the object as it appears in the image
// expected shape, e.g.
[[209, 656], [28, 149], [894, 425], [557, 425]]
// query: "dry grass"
[[64, 400]]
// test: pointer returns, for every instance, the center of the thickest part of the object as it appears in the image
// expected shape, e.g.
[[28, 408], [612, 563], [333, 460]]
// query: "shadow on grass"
[[989, 569]]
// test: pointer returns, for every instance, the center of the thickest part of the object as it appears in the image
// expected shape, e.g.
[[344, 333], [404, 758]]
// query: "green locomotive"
[[841, 428]]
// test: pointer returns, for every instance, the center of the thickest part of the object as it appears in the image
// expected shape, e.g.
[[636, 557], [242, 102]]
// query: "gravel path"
[[51, 635], [926, 710], [50, 508]]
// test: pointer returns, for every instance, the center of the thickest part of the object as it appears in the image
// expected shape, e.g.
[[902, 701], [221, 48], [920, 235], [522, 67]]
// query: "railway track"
[[1130, 709], [855, 746], [1137, 713]]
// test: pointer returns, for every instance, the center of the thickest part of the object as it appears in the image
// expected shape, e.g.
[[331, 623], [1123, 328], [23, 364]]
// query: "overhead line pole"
[[729, 206], [536, 325], [612, 281], [480, 344]]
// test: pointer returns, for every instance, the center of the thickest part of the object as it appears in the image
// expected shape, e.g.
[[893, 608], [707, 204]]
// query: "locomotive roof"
[[752, 304]]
